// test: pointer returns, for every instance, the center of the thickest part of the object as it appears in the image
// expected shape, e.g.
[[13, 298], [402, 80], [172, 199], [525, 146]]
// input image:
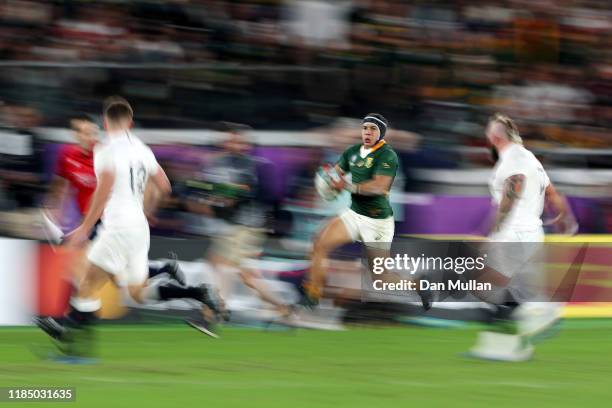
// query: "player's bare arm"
[[565, 218], [98, 202], [513, 188], [151, 199], [158, 187], [160, 179], [379, 185]]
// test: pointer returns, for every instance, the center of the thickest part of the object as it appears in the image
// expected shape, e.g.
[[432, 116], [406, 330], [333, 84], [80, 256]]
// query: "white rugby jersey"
[[132, 163], [527, 210]]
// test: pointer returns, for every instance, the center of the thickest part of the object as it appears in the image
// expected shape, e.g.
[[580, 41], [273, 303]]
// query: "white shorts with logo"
[[122, 252], [375, 233]]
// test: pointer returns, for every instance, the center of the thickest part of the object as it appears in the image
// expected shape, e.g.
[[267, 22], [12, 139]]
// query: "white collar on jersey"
[[508, 150], [118, 134], [363, 152]]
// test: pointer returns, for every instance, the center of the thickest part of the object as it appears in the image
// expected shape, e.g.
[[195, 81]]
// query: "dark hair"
[[85, 117], [117, 109]]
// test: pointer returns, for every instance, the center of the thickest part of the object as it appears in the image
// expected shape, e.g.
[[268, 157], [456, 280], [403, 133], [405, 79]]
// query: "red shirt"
[[76, 166]]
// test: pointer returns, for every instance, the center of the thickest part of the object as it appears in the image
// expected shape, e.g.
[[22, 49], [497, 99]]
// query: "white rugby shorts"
[[512, 251], [123, 253], [375, 233]]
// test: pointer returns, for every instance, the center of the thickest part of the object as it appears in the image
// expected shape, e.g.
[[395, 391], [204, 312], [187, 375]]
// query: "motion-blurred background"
[[300, 74], [294, 69]]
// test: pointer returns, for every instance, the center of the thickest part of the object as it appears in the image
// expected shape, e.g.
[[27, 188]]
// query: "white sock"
[[86, 305], [150, 293]]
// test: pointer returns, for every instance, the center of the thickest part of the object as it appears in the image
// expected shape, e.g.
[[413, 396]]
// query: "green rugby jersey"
[[382, 160]]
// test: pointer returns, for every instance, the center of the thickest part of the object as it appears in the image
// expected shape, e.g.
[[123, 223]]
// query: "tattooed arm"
[[513, 187]]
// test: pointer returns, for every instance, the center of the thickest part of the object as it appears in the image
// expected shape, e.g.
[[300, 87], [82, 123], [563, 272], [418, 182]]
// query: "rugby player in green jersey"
[[373, 165]]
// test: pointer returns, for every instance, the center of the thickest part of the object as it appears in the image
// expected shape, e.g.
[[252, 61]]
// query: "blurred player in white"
[[520, 188], [123, 165], [75, 169]]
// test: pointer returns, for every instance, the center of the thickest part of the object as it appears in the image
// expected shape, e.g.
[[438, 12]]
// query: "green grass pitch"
[[175, 366]]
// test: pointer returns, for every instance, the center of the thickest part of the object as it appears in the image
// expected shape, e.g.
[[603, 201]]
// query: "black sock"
[[158, 270], [155, 270], [80, 319], [173, 291], [503, 311]]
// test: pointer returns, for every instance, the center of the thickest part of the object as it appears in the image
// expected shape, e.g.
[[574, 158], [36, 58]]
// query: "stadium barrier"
[[18, 281]]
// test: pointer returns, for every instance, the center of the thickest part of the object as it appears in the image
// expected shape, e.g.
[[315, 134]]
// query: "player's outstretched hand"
[[76, 238]]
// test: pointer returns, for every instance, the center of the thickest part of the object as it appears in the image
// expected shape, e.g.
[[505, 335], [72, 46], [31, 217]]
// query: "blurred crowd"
[[433, 67], [436, 68]]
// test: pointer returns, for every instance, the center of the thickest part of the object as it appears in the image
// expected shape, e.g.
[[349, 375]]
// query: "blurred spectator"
[[318, 24], [226, 194], [224, 190], [542, 60], [21, 171]]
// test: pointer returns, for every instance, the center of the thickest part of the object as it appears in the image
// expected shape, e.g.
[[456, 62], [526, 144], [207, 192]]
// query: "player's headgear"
[[379, 121], [511, 128]]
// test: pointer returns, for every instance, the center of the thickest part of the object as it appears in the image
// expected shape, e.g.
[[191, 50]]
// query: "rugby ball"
[[323, 185]]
